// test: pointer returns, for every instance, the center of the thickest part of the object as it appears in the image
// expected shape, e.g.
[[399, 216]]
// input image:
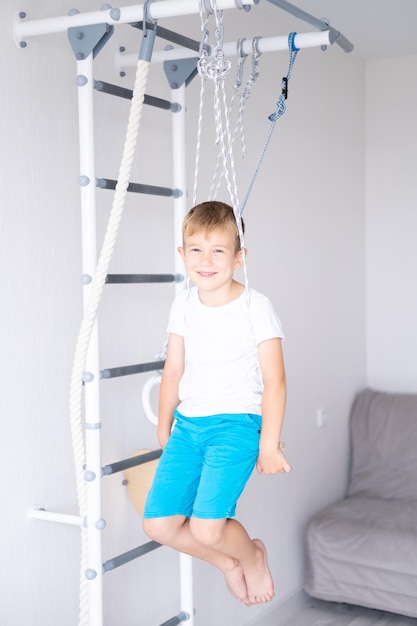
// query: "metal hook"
[[241, 59], [147, 18], [241, 54], [255, 47], [256, 53]]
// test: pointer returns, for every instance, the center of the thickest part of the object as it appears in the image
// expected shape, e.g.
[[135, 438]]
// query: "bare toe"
[[258, 577]]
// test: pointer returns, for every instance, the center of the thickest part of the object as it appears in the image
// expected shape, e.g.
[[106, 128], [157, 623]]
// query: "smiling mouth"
[[206, 274]]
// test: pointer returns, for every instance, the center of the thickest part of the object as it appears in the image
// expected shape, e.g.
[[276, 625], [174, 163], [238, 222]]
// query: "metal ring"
[[207, 7]]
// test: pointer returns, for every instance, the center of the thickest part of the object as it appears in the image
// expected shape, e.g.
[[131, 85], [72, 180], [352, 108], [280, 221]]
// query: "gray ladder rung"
[[170, 35], [132, 461], [181, 617], [127, 370], [113, 279], [117, 561], [153, 190], [122, 92]]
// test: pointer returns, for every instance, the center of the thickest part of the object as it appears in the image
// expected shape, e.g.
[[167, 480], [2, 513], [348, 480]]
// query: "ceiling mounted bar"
[[265, 44], [341, 41], [23, 28]]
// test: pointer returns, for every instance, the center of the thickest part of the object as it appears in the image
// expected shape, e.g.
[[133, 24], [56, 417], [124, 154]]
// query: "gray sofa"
[[363, 549]]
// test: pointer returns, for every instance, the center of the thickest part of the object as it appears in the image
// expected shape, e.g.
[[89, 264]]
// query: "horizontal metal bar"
[[266, 44], [314, 21], [153, 190], [62, 518], [173, 37], [126, 557], [113, 279], [127, 94], [132, 461], [127, 370], [122, 15], [178, 619]]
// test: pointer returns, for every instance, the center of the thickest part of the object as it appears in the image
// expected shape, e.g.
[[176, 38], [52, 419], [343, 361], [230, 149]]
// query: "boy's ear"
[[239, 257], [181, 252]]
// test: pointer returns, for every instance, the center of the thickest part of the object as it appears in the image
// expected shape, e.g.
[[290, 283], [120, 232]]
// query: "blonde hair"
[[208, 216]]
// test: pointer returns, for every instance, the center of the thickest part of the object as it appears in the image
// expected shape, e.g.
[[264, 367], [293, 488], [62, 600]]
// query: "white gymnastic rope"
[[91, 312], [215, 68]]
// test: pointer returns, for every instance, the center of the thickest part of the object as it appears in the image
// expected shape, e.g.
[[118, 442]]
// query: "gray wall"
[[306, 237], [391, 219]]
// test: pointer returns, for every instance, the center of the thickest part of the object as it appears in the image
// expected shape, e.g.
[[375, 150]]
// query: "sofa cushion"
[[364, 551], [384, 445]]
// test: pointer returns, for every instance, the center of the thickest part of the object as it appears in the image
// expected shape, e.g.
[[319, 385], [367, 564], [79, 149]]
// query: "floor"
[[318, 613]]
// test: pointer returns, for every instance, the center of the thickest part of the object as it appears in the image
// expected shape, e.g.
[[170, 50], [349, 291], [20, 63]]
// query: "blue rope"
[[274, 117]]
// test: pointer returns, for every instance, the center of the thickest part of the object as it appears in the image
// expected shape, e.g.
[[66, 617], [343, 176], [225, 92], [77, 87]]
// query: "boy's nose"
[[206, 258]]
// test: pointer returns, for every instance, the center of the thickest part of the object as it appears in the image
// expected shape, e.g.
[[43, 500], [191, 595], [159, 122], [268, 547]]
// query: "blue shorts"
[[205, 466]]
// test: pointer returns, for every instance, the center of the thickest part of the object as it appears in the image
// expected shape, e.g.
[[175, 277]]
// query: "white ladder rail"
[[180, 209], [94, 524]]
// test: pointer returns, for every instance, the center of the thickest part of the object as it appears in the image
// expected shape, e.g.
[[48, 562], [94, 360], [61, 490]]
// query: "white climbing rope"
[[90, 316]]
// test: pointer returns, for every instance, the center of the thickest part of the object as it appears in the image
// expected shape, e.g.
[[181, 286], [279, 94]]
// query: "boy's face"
[[210, 258]]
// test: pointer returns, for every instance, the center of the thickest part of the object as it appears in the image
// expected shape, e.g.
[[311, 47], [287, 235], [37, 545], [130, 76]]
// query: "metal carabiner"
[[256, 53], [241, 59]]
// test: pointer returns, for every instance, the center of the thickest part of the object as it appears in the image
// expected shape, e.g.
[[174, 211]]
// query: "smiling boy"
[[223, 387]]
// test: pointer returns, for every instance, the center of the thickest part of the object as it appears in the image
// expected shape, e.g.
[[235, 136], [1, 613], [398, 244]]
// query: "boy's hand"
[[272, 461]]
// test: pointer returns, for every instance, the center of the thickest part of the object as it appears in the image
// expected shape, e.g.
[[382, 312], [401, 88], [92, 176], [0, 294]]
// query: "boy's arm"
[[271, 459], [168, 394]]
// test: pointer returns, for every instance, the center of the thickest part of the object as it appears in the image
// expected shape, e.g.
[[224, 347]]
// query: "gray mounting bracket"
[[87, 39], [180, 71]]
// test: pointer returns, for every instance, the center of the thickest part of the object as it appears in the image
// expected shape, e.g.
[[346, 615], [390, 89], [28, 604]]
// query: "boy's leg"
[[175, 532], [228, 463], [230, 537], [223, 543], [213, 536]]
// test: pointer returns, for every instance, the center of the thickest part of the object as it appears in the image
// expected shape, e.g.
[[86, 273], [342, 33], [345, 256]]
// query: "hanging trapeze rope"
[[216, 69], [243, 93]]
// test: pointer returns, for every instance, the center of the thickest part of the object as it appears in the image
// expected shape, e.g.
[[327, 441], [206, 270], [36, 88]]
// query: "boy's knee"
[[149, 527], [208, 532], [154, 529], [159, 529]]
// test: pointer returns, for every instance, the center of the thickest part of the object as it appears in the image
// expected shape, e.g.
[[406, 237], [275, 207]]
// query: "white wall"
[[306, 240], [391, 200]]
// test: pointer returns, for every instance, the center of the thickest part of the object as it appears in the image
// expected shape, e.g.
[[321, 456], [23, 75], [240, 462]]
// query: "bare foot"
[[258, 577], [236, 582]]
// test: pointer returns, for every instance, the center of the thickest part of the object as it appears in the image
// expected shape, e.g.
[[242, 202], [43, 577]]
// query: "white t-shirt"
[[222, 372]]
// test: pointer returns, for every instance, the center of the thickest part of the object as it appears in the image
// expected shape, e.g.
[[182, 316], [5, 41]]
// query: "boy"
[[224, 370]]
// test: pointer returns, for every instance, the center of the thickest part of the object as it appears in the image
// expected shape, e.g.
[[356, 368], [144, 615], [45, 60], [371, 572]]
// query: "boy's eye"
[[218, 250]]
